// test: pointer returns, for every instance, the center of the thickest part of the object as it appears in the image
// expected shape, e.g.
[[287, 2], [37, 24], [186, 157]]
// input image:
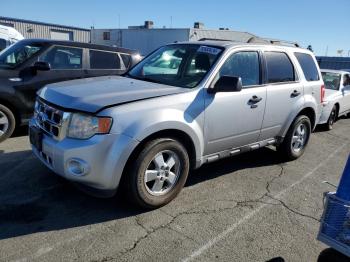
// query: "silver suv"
[[184, 105]]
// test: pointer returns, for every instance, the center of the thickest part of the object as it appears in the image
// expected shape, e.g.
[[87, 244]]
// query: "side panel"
[[280, 106], [231, 120]]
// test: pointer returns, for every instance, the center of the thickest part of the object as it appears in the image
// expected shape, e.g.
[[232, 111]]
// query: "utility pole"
[[119, 21], [326, 50], [171, 21]]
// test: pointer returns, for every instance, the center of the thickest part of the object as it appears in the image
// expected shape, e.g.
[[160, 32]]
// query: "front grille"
[[50, 119]]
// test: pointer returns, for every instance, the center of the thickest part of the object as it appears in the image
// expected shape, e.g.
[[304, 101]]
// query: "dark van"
[[30, 64]]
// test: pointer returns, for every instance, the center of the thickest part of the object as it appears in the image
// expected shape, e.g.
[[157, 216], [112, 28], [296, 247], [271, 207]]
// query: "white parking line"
[[251, 214]]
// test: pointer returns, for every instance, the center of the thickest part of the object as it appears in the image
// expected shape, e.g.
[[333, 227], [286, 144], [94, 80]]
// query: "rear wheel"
[[158, 173], [297, 138], [332, 118], [7, 123]]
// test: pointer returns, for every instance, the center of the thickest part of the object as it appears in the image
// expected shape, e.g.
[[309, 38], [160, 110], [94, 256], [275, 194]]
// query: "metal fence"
[[336, 63]]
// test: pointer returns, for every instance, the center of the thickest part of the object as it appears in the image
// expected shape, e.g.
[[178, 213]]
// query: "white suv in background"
[[8, 36], [337, 96]]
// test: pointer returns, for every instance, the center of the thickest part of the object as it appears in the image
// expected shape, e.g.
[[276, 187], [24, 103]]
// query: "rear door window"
[[63, 57], [279, 68], [308, 66], [104, 60]]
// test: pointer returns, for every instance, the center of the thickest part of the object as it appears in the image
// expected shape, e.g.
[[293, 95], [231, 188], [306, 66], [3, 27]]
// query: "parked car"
[[337, 96], [30, 64], [200, 102], [8, 36]]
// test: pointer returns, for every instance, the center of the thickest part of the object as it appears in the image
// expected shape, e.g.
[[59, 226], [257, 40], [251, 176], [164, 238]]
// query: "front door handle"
[[255, 99], [295, 93]]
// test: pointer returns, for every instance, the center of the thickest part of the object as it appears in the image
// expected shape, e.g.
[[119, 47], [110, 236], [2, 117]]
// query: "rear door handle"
[[255, 99], [295, 93]]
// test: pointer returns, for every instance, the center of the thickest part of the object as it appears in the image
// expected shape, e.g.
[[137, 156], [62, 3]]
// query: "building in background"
[[34, 29], [146, 38], [337, 63]]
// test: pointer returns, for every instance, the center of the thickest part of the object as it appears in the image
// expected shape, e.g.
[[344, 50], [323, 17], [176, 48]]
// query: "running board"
[[237, 151]]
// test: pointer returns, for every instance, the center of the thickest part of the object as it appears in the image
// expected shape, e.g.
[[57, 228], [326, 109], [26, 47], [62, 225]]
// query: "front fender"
[[169, 119], [181, 112]]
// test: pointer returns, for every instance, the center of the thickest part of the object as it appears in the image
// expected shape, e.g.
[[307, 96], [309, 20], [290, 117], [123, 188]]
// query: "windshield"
[[177, 65], [17, 54], [331, 80]]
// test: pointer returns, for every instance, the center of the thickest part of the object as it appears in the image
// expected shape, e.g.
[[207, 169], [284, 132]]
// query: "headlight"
[[84, 126]]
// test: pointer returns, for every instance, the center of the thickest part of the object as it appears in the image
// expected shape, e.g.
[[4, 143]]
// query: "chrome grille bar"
[[51, 120]]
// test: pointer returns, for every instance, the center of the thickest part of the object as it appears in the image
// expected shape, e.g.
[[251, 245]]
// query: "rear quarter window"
[[308, 66], [126, 60], [279, 67]]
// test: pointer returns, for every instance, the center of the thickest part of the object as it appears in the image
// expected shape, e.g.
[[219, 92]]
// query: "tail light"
[[323, 91]]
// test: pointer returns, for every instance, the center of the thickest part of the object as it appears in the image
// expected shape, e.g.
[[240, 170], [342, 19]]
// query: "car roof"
[[80, 44], [334, 71], [227, 44]]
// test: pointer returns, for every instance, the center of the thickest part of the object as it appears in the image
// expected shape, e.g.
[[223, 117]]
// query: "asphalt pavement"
[[253, 207]]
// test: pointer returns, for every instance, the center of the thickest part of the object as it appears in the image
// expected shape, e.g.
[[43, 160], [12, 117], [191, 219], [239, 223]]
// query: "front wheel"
[[297, 138], [7, 123], [332, 118], [158, 173]]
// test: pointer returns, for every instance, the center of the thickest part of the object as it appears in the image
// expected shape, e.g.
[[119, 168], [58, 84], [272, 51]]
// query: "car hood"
[[93, 94]]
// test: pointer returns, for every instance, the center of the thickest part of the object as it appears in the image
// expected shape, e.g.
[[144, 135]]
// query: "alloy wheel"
[[162, 173], [4, 123], [299, 138]]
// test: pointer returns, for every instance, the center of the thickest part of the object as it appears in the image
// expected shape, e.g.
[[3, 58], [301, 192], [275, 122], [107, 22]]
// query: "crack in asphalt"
[[296, 212], [245, 203]]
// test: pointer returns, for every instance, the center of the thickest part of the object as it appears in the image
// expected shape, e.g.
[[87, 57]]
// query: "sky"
[[323, 24]]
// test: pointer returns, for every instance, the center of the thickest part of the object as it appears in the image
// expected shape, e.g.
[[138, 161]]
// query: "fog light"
[[77, 167]]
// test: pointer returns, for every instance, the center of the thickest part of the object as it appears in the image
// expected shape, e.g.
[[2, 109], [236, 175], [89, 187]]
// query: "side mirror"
[[41, 66], [227, 84]]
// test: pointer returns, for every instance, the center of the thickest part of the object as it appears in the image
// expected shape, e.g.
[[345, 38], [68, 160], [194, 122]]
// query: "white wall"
[[143, 40]]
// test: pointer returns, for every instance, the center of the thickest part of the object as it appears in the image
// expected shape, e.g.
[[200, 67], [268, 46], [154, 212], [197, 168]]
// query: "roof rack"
[[216, 39], [281, 42], [257, 40]]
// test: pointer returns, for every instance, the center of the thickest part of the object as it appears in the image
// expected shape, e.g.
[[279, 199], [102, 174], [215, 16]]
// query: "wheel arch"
[[338, 107], [308, 111], [179, 135]]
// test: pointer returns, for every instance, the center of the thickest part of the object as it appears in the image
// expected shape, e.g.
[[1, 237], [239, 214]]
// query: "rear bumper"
[[102, 157]]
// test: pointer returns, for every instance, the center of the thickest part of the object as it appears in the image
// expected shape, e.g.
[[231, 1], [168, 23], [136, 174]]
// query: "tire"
[[292, 148], [332, 118], [163, 181], [330, 254], [7, 123]]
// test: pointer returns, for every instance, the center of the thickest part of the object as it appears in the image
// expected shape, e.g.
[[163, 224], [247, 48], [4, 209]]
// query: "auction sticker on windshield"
[[208, 50]]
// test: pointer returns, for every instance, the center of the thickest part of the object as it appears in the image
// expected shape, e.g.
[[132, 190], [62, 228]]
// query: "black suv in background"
[[30, 64]]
